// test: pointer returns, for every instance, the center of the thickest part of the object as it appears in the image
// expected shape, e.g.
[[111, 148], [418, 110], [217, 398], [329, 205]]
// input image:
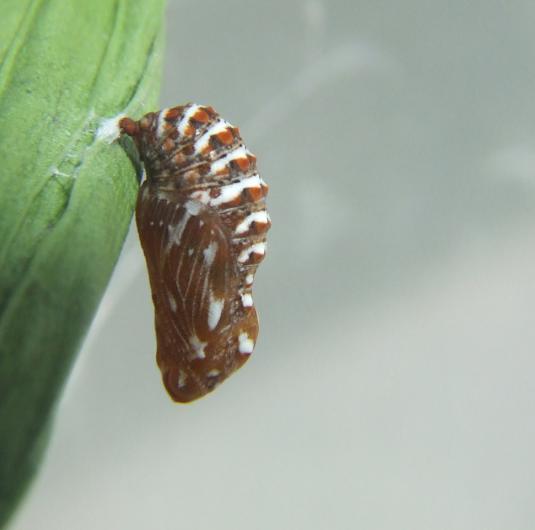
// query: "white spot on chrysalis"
[[161, 123], [213, 373], [143, 175], [215, 128], [198, 347], [257, 248], [258, 217], [232, 191], [176, 231], [209, 253], [214, 311], [238, 152], [249, 279], [193, 207], [246, 299], [246, 345], [184, 122]]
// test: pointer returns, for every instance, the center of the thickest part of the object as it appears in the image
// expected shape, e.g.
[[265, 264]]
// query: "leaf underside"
[[66, 197]]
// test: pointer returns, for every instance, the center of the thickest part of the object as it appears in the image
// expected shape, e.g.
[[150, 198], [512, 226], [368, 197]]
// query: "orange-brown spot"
[[254, 194], [167, 127], [201, 116], [174, 113], [225, 137], [242, 163], [189, 130]]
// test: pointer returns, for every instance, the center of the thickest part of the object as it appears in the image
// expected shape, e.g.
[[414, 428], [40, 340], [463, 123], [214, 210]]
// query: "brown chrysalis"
[[202, 222]]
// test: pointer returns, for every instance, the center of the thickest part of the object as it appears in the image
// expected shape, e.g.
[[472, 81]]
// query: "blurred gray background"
[[392, 384]]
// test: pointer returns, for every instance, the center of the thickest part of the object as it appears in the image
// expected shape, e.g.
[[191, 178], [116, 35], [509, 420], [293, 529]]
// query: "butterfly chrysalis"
[[202, 222]]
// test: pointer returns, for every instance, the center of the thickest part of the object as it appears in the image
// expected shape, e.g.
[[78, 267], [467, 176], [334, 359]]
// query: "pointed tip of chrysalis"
[[129, 126]]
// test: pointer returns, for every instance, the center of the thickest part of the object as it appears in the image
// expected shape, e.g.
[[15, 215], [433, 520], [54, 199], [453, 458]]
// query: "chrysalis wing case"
[[202, 222]]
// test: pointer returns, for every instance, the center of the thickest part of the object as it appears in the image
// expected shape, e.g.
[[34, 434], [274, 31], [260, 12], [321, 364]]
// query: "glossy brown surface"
[[202, 224]]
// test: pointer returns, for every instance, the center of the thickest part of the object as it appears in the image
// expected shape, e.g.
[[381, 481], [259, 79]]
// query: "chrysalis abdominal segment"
[[202, 223]]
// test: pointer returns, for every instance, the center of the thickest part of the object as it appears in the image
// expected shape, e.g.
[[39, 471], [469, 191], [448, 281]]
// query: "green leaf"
[[66, 196]]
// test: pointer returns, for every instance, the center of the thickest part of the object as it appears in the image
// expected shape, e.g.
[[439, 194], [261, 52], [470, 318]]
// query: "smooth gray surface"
[[392, 385]]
